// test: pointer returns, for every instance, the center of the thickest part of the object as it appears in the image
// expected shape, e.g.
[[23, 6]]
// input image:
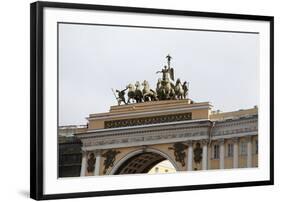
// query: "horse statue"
[[168, 90], [131, 93], [138, 92], [159, 90], [179, 91], [148, 94]]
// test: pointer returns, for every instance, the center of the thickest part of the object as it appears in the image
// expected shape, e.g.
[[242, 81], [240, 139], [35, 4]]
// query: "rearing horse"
[[179, 91], [148, 94], [138, 92], [131, 92], [168, 89]]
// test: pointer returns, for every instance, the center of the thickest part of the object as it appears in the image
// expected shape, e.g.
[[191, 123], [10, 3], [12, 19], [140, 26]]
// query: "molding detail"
[[148, 120]]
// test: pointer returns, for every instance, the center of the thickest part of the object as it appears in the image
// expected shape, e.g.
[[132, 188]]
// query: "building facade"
[[134, 138], [69, 151], [161, 124]]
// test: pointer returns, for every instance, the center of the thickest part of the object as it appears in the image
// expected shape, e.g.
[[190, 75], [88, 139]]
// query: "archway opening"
[[147, 162], [163, 167]]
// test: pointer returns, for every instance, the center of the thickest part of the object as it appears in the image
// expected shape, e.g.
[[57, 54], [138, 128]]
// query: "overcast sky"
[[222, 67]]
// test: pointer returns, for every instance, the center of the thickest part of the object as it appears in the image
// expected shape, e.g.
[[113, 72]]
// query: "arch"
[[139, 152]]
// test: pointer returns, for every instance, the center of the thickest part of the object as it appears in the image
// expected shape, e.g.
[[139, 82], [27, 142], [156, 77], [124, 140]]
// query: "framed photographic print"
[[131, 100]]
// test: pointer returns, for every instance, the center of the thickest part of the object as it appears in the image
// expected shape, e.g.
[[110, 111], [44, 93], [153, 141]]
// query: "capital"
[[235, 139], [249, 138], [189, 143], [221, 141], [204, 141], [97, 152], [84, 152]]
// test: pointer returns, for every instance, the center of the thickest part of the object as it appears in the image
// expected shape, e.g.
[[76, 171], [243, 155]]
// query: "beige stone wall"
[[212, 163], [243, 112], [228, 161], [96, 124], [96, 121], [99, 124], [173, 107]]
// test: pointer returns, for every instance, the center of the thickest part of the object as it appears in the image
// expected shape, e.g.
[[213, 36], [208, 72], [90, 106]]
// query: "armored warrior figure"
[[169, 60], [121, 96], [185, 89], [167, 74]]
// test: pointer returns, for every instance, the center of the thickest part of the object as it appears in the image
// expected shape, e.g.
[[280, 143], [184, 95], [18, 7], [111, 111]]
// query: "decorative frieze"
[[170, 133], [148, 120], [145, 138]]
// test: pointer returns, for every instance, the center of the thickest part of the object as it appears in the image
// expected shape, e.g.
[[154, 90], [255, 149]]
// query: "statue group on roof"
[[166, 89]]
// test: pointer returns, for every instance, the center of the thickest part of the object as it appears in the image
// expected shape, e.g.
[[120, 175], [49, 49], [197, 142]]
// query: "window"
[[230, 150], [156, 170], [216, 151], [243, 148]]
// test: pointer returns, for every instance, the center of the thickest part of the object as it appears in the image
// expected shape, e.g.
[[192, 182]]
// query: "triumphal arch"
[[151, 125]]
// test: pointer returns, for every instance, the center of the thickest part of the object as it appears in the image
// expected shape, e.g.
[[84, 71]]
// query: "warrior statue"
[[167, 74], [169, 60], [121, 96], [166, 91], [185, 87]]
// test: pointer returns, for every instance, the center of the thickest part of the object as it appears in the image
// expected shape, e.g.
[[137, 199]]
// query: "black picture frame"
[[37, 101]]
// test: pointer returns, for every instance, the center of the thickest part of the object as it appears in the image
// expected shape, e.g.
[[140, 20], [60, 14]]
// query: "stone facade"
[[204, 140]]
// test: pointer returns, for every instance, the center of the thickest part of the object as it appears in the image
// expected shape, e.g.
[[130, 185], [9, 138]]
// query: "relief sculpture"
[[91, 163], [110, 156], [179, 152]]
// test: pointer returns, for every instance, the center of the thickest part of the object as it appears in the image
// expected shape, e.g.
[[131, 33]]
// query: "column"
[[249, 152], [235, 152], [83, 163], [190, 156], [221, 142], [205, 155], [97, 164]]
